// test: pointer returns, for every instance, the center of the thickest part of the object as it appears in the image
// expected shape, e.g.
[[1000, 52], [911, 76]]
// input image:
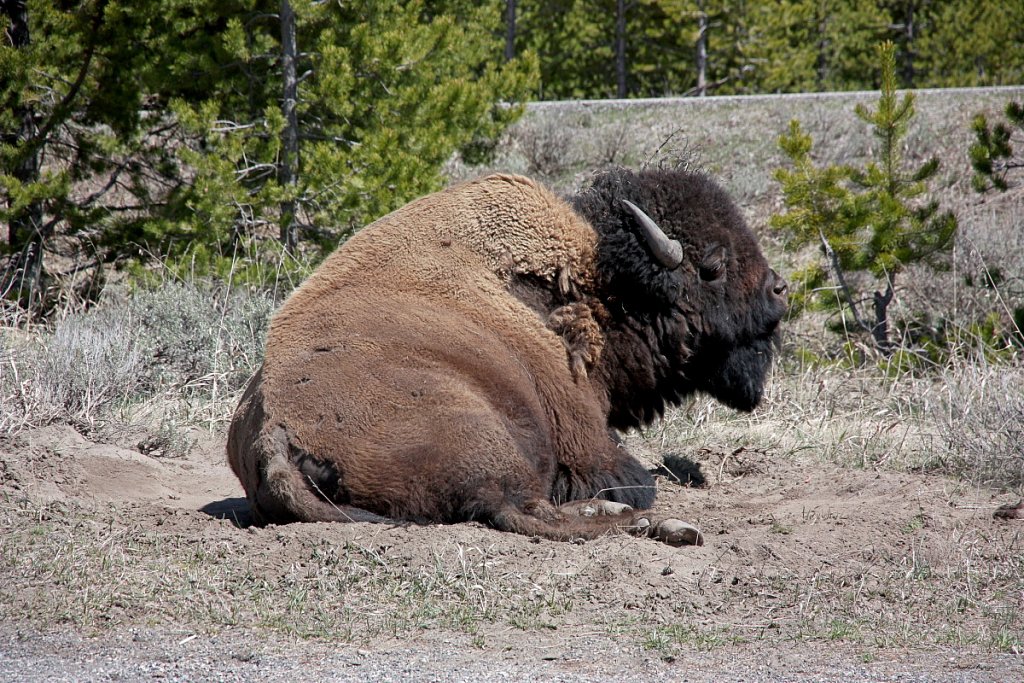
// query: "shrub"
[[188, 342]]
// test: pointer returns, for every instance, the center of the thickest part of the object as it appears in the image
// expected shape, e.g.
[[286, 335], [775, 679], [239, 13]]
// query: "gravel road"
[[135, 655]]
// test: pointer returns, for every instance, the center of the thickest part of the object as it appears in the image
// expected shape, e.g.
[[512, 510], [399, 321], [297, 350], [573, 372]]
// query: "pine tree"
[[779, 46], [84, 148], [574, 41], [872, 220], [692, 47]]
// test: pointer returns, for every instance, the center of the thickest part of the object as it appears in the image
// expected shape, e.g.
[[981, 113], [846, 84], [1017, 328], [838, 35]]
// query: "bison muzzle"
[[473, 356]]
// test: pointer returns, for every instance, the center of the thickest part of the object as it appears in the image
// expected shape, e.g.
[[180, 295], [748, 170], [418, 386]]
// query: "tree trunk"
[[287, 171], [23, 274], [510, 30], [620, 49], [907, 29], [880, 331], [821, 72], [908, 55], [702, 51]]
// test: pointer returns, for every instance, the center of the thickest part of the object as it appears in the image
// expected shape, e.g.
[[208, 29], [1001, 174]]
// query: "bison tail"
[[283, 495], [272, 474]]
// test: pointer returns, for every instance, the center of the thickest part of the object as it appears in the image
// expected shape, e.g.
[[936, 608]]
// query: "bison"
[[474, 354]]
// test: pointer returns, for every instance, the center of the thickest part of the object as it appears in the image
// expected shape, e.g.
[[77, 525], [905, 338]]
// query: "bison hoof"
[[671, 531]]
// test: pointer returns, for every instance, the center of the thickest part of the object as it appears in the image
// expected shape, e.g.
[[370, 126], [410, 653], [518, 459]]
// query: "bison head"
[[691, 302]]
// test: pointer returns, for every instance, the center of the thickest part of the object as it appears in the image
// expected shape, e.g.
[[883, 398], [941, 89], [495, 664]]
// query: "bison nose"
[[779, 286]]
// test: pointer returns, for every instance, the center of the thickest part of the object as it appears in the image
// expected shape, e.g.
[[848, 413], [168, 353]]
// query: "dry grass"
[[66, 564], [963, 420], [983, 425]]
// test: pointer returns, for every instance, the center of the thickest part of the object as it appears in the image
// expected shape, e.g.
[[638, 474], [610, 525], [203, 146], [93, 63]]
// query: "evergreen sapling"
[[874, 220]]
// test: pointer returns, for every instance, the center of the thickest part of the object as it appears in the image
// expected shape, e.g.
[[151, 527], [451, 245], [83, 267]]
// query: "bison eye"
[[712, 266]]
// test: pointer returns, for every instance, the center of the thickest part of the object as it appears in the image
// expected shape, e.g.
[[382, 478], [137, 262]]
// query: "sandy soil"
[[809, 572]]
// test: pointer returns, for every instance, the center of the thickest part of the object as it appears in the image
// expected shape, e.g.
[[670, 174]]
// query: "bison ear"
[[713, 265]]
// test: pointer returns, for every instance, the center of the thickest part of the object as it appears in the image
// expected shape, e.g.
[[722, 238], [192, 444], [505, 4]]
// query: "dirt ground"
[[116, 565]]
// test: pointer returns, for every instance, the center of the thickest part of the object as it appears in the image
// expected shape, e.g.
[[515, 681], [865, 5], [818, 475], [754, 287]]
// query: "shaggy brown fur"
[[467, 356]]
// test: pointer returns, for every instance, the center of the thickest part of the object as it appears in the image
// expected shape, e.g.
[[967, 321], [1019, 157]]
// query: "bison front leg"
[[592, 519], [668, 530], [594, 508]]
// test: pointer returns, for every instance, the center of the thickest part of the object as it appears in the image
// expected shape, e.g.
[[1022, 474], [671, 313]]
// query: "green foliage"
[[663, 52], [93, 177], [872, 220], [73, 126], [154, 127], [992, 155], [759, 47], [386, 99], [388, 93], [574, 44], [802, 46], [969, 44]]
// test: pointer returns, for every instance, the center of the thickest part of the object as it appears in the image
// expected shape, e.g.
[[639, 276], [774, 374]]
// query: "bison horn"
[[667, 252]]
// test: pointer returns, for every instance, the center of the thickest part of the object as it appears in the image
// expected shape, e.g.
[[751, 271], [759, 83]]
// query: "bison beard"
[[471, 356]]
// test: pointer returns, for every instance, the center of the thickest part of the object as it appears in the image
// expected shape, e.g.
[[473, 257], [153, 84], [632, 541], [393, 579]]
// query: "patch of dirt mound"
[[58, 463]]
